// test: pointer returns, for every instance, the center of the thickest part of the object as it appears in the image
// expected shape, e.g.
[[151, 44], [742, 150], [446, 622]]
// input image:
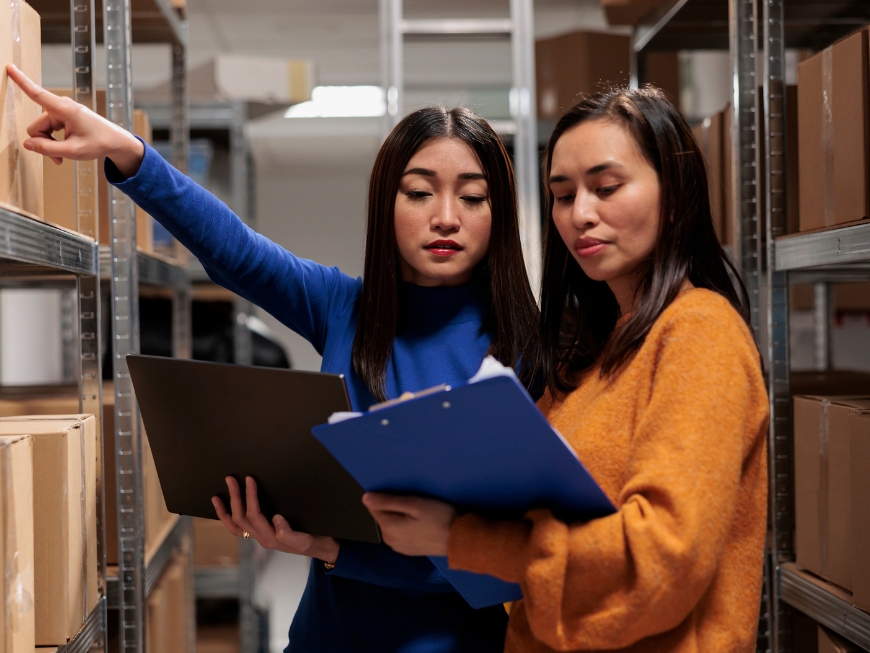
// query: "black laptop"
[[207, 421]]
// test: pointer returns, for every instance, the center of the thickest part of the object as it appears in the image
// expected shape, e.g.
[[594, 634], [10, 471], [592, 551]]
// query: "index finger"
[[43, 98]]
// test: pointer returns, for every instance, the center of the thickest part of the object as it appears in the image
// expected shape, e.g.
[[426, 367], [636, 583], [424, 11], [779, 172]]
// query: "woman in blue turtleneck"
[[444, 285]]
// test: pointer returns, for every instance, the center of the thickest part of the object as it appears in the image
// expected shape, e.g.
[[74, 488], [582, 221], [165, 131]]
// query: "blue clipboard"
[[484, 447]]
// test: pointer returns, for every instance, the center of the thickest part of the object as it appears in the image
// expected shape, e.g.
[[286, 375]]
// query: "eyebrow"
[[601, 167], [425, 172]]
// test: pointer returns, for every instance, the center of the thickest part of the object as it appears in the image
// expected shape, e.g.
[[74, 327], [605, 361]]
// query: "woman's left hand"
[[413, 526]]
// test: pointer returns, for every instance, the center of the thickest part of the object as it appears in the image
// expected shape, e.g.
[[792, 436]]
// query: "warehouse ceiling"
[[342, 35]]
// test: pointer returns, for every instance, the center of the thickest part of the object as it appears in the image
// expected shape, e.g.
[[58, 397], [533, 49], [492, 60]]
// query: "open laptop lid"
[[206, 421]]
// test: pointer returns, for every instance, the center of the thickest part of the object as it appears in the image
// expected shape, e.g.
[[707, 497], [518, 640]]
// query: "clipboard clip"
[[405, 396]]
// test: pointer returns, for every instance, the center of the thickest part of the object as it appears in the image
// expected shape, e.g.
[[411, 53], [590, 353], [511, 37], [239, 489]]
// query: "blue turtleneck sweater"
[[374, 599]]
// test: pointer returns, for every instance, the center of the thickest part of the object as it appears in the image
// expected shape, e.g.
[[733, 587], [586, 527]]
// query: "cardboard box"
[[708, 134], [21, 185], [859, 451], [662, 70], [628, 12], [65, 520], [60, 191], [833, 111], [218, 638], [792, 161], [831, 642], [17, 623], [823, 487], [48, 401], [168, 614], [570, 65], [213, 544], [847, 297]]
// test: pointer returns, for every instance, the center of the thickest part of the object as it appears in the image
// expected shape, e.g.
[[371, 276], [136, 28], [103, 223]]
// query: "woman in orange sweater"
[[655, 381]]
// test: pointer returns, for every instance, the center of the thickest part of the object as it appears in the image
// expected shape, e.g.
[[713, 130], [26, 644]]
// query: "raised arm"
[[300, 293]]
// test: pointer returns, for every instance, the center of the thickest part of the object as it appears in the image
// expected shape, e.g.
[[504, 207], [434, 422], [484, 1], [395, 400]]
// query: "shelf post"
[[125, 340], [781, 511], [88, 366], [744, 145], [822, 314]]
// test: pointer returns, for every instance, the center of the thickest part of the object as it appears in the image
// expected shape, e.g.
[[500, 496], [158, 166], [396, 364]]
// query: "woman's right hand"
[[276, 535], [87, 136]]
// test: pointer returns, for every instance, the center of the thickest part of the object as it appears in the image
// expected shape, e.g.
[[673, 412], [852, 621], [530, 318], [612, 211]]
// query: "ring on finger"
[[246, 535]]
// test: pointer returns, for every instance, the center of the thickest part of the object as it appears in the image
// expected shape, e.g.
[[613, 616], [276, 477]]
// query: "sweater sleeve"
[[613, 581], [300, 293]]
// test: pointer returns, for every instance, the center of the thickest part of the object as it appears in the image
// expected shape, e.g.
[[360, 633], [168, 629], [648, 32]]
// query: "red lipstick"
[[443, 247], [589, 246]]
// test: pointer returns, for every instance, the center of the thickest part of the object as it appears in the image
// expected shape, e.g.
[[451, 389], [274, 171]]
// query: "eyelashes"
[[422, 196]]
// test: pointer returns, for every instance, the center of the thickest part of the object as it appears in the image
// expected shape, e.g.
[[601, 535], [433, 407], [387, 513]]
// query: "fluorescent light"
[[341, 102]]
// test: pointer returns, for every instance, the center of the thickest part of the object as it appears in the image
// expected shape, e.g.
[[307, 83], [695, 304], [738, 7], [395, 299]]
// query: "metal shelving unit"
[[42, 251], [144, 21], [772, 260], [34, 253], [519, 29]]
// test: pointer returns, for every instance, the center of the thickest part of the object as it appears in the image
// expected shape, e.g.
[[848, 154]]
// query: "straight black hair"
[[512, 314], [579, 315]]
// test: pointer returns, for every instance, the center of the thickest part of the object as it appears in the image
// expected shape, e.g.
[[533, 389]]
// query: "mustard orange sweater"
[[678, 442]]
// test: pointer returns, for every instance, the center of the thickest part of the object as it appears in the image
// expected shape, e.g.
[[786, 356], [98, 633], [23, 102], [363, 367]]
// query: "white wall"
[[31, 349], [311, 186]]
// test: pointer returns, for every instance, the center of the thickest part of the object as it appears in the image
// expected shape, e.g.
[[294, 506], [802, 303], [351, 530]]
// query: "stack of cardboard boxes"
[[49, 504], [63, 401], [30, 184], [832, 484], [834, 146], [63, 472]]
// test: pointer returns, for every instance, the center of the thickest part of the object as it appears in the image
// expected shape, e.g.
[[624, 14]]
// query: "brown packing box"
[[156, 620], [21, 184], [859, 450], [579, 62], [792, 162], [662, 70], [213, 544], [16, 547], [48, 401], [831, 642], [168, 613], [628, 12], [59, 193], [833, 134], [65, 520], [854, 297], [823, 488], [708, 134], [218, 638]]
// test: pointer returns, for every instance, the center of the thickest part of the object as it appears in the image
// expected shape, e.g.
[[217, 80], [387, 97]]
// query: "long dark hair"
[[579, 315], [512, 315]]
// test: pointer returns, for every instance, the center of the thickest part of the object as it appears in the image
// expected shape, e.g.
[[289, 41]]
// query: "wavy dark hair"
[[512, 314], [579, 315]]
